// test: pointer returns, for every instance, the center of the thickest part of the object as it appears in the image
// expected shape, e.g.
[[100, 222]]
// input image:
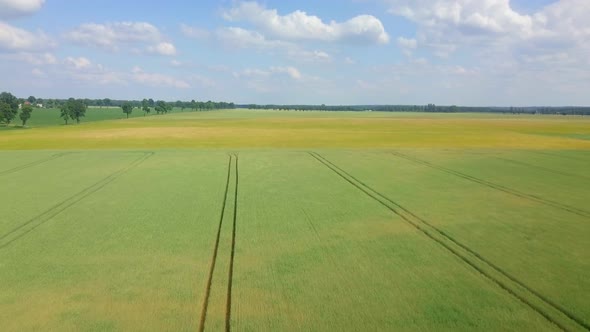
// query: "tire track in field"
[[34, 163], [31, 224], [215, 250], [546, 169], [492, 185], [558, 155], [551, 311], [233, 251]]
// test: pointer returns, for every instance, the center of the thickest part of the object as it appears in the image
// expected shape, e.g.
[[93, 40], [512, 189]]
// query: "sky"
[[335, 52]]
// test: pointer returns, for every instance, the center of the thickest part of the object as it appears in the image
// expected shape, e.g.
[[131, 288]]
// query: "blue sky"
[[464, 52]]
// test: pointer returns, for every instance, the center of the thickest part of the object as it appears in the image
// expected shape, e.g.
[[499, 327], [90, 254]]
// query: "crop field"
[[286, 221]]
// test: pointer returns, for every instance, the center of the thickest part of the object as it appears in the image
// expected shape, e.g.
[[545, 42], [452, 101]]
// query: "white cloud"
[[234, 37], [122, 35], [241, 38], [299, 25], [315, 56], [288, 71], [157, 80], [408, 45], [36, 59], [194, 32], [38, 72], [78, 63], [163, 48], [554, 39], [13, 39], [470, 16], [17, 8], [292, 72]]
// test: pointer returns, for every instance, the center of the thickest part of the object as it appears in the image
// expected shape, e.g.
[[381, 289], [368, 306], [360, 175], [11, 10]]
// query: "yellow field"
[[256, 129]]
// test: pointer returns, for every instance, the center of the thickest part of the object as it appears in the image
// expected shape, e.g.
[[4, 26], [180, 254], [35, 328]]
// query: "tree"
[[73, 109], [25, 113], [127, 108], [32, 100], [10, 110], [151, 103], [179, 104], [193, 105], [145, 106], [78, 110], [64, 113], [161, 107]]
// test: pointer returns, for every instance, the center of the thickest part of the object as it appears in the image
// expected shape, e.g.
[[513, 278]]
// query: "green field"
[[285, 221]]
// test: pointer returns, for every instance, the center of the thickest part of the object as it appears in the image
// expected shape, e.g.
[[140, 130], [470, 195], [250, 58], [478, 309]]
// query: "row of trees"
[[106, 102], [427, 108], [9, 109]]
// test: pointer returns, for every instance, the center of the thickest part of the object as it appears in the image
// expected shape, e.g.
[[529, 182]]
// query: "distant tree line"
[[567, 110], [75, 109]]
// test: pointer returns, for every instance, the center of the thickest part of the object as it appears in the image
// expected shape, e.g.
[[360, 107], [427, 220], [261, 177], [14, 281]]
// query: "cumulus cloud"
[[16, 8], [241, 38], [450, 22], [13, 39], [234, 37], [120, 35], [298, 25], [470, 16]]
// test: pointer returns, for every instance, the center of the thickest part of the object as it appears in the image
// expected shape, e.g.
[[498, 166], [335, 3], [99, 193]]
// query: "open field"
[[266, 129], [279, 221]]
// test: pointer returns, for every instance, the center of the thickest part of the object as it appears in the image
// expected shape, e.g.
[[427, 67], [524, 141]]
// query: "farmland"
[[266, 220]]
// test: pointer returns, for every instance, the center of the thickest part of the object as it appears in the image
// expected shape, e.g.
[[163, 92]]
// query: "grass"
[[254, 220]]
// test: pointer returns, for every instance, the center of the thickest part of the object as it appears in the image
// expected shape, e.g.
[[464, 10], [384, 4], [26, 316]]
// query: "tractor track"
[[495, 186], [558, 155], [546, 169], [22, 230], [233, 252], [215, 251], [233, 158], [465, 254], [34, 163]]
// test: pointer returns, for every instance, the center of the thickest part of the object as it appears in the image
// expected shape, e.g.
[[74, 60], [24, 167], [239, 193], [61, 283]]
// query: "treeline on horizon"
[[75, 109], [107, 102], [561, 110]]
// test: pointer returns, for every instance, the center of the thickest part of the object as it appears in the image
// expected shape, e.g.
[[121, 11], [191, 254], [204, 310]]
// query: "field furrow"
[[553, 312], [233, 250], [506, 231], [322, 255], [496, 186], [31, 164], [122, 258], [215, 252], [28, 226]]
